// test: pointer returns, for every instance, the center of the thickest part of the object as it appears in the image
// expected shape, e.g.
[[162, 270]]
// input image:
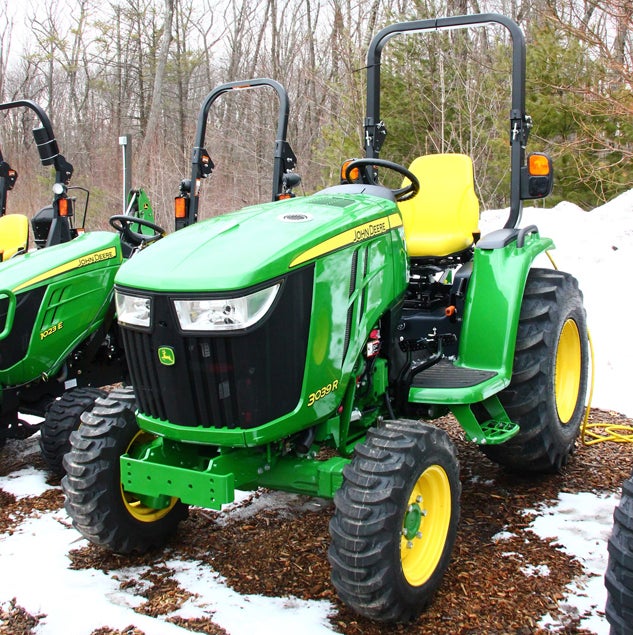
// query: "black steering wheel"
[[122, 223], [400, 194]]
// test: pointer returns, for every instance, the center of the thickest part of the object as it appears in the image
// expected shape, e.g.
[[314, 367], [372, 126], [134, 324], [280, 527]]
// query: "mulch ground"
[[278, 552]]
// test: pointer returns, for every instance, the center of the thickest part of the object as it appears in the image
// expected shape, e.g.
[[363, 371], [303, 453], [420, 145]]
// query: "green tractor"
[[59, 340], [58, 336], [297, 345]]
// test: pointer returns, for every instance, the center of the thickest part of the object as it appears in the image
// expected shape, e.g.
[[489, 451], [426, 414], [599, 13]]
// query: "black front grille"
[[226, 380]]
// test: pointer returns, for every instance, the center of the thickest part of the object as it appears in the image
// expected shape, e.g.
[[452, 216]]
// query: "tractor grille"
[[229, 380]]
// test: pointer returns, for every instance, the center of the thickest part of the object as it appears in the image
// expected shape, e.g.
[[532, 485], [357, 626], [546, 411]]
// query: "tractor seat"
[[14, 235], [443, 218]]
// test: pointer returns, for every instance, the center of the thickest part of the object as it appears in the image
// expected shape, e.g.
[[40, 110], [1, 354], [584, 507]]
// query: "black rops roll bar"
[[519, 122], [284, 158], [45, 140]]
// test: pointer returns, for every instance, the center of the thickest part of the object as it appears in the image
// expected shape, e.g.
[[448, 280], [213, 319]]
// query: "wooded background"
[[143, 67]]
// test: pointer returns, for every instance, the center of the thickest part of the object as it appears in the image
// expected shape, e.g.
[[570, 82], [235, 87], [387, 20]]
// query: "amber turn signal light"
[[354, 174], [538, 165], [180, 206]]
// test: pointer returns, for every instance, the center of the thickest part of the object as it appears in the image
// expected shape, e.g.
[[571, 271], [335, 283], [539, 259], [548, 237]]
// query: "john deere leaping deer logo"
[[166, 356]]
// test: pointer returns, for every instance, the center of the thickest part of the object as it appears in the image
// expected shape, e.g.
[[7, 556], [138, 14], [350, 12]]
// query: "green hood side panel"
[[245, 248], [61, 296]]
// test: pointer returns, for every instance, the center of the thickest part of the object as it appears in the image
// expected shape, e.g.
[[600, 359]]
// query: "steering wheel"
[[400, 194], [122, 223]]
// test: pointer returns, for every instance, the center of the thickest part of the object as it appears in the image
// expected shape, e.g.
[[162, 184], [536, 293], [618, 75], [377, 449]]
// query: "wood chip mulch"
[[279, 552]]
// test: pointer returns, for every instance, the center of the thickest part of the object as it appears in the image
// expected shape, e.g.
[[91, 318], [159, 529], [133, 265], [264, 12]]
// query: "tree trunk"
[[153, 118]]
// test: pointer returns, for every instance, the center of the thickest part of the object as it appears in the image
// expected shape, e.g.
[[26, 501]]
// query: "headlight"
[[133, 310], [227, 314]]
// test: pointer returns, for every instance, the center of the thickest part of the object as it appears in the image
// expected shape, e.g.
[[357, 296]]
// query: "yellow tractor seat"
[[14, 235], [443, 218]]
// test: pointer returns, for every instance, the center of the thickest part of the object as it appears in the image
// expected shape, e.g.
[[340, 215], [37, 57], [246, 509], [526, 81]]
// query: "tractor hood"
[[244, 248], [85, 253]]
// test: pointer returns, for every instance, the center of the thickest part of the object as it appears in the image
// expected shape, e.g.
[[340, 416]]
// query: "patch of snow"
[[25, 482], [581, 524], [537, 571]]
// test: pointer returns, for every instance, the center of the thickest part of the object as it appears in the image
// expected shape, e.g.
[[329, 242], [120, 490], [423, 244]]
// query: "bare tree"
[[153, 119]]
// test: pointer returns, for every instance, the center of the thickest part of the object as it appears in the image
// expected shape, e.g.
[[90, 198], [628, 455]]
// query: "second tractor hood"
[[241, 249]]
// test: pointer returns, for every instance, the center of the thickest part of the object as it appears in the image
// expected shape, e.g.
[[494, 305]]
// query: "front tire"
[[99, 507], [64, 416], [619, 575], [546, 396], [396, 521]]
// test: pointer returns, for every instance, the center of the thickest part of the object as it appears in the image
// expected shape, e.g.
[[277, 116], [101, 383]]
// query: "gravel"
[[503, 578]]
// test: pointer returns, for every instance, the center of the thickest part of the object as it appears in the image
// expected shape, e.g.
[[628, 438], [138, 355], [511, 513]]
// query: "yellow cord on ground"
[[592, 433]]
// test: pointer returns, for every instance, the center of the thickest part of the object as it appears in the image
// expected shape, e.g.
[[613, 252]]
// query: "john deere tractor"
[[57, 329], [308, 345], [59, 341]]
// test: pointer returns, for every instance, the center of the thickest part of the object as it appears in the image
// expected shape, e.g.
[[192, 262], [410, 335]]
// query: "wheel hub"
[[413, 522]]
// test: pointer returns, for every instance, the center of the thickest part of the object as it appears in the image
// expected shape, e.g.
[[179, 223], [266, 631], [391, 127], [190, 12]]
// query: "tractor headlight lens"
[[133, 310], [225, 314]]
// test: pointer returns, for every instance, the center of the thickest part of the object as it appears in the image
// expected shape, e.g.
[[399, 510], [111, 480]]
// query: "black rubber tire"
[[92, 485], [64, 416], [619, 574], [372, 505], [552, 302]]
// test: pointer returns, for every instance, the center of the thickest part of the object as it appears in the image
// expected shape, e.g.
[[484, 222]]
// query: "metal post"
[[125, 141]]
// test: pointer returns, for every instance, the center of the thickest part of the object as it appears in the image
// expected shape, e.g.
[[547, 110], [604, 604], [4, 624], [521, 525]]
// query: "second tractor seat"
[[443, 218], [14, 235]]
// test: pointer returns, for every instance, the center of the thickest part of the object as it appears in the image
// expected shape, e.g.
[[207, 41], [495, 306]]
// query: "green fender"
[[491, 315]]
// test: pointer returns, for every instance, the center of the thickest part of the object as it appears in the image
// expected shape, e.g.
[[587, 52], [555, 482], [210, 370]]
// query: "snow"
[[595, 246], [586, 541]]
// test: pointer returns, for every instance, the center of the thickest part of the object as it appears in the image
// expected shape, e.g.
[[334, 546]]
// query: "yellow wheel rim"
[[133, 505], [425, 525], [568, 371]]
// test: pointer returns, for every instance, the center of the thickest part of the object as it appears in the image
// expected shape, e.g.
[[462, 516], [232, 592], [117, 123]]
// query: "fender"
[[501, 263]]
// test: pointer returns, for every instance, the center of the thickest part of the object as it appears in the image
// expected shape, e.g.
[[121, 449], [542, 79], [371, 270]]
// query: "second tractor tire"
[[64, 416], [619, 575], [99, 507]]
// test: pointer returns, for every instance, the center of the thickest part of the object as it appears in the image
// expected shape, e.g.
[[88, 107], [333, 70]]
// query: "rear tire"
[[619, 575], [396, 520], [99, 507], [546, 396], [64, 416]]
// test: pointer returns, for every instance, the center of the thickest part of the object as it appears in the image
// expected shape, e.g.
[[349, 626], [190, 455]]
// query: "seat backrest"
[[443, 217], [14, 235]]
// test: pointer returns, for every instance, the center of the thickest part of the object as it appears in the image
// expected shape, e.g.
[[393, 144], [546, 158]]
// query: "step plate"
[[445, 375]]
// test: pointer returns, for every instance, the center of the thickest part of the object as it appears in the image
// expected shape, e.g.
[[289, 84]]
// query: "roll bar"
[[284, 158], [520, 123]]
